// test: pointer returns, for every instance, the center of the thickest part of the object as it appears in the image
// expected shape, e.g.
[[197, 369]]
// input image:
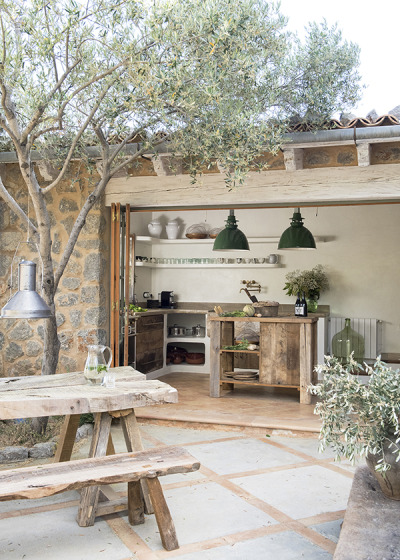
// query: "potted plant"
[[310, 282], [362, 420]]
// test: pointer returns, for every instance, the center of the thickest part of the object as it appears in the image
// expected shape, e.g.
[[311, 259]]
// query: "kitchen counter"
[[285, 310]]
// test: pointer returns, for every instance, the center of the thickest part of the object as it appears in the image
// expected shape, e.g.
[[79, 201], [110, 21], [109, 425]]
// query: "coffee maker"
[[167, 300]]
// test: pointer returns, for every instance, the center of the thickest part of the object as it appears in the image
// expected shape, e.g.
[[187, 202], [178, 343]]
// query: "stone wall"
[[83, 293]]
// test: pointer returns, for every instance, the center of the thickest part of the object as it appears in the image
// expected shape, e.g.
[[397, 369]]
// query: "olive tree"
[[216, 79]]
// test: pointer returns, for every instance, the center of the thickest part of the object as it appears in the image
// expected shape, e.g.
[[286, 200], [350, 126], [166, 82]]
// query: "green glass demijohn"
[[347, 341]]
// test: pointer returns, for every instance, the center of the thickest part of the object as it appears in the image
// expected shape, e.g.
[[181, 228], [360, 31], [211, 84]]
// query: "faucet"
[[251, 286]]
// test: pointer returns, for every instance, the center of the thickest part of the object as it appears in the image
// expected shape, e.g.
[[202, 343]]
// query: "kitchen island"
[[287, 353]]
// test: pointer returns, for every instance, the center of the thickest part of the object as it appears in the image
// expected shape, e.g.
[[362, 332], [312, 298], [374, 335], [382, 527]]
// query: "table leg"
[[306, 362], [67, 438], [90, 495], [215, 345], [133, 441]]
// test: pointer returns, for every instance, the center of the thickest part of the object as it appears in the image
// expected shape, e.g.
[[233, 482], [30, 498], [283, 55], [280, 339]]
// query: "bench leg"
[[135, 503], [90, 495], [163, 516], [133, 442]]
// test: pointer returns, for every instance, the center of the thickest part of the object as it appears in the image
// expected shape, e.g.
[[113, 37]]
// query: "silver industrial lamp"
[[26, 303]]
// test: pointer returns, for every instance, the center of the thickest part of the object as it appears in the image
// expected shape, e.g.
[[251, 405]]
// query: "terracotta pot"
[[389, 481], [195, 358]]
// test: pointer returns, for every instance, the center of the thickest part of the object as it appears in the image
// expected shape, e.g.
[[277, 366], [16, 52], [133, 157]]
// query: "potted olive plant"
[[310, 282], [362, 419]]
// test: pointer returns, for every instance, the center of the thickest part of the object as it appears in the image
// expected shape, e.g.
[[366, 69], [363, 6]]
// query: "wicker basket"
[[196, 235], [266, 308]]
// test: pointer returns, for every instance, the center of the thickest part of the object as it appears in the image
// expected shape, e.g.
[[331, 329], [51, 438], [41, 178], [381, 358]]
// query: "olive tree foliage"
[[215, 79]]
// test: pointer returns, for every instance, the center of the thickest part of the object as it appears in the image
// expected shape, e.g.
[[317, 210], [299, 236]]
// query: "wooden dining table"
[[69, 394]]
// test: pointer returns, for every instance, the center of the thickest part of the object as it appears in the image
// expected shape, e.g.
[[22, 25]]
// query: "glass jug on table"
[[96, 366]]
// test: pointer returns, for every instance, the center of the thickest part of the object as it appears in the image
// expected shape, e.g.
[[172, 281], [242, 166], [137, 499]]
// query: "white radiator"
[[370, 329]]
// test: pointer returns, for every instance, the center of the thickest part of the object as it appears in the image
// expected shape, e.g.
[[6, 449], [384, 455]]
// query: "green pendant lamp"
[[296, 236], [231, 238]]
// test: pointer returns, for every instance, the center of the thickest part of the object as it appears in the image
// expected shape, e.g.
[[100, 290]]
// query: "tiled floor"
[[245, 407], [255, 497]]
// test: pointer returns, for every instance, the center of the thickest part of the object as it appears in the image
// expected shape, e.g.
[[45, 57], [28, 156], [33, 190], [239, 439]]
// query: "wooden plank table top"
[[70, 393]]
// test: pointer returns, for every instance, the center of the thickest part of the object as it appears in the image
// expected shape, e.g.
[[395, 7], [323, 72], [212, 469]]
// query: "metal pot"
[[175, 330], [198, 330]]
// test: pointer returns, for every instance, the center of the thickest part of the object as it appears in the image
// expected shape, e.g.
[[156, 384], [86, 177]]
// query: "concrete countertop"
[[285, 310]]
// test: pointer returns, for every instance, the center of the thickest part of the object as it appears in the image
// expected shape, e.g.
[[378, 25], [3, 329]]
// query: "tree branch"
[[4, 42], [77, 138], [11, 203], [40, 110], [136, 155]]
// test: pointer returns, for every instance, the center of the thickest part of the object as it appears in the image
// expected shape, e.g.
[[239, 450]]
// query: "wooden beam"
[[311, 187]]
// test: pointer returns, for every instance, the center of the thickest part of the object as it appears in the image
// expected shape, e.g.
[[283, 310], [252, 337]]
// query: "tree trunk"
[[51, 351]]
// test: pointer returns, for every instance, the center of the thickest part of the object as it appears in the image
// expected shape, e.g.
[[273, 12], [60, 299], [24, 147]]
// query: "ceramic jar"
[[172, 229], [155, 228]]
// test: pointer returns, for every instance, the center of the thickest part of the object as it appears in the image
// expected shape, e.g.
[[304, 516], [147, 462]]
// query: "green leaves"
[[219, 78], [358, 418], [311, 282]]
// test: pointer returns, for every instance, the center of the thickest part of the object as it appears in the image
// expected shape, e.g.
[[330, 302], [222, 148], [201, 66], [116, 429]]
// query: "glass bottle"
[[304, 305], [297, 306], [347, 341]]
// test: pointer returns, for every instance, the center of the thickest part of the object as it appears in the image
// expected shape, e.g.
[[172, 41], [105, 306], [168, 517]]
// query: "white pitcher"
[[155, 228], [172, 229]]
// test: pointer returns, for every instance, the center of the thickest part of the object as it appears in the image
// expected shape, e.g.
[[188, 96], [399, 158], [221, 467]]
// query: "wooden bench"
[[45, 480]]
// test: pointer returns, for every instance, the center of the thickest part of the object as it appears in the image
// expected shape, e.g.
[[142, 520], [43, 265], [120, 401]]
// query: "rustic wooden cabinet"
[[286, 358], [149, 343]]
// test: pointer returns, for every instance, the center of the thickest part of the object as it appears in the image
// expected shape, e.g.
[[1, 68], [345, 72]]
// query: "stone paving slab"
[[250, 500], [283, 546], [371, 527], [55, 535]]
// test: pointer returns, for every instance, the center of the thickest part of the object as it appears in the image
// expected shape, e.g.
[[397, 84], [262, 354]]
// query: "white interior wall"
[[361, 257]]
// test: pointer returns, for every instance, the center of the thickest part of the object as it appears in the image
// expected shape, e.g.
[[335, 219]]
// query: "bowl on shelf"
[[214, 232], [195, 358], [178, 359], [196, 235], [197, 231]]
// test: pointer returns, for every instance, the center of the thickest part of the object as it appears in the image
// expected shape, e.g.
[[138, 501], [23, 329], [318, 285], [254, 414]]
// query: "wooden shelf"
[[224, 380], [207, 240], [256, 352], [207, 265], [194, 339]]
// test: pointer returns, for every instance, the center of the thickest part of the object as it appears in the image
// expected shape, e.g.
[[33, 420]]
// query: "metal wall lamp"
[[297, 236], [231, 238], [26, 303]]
